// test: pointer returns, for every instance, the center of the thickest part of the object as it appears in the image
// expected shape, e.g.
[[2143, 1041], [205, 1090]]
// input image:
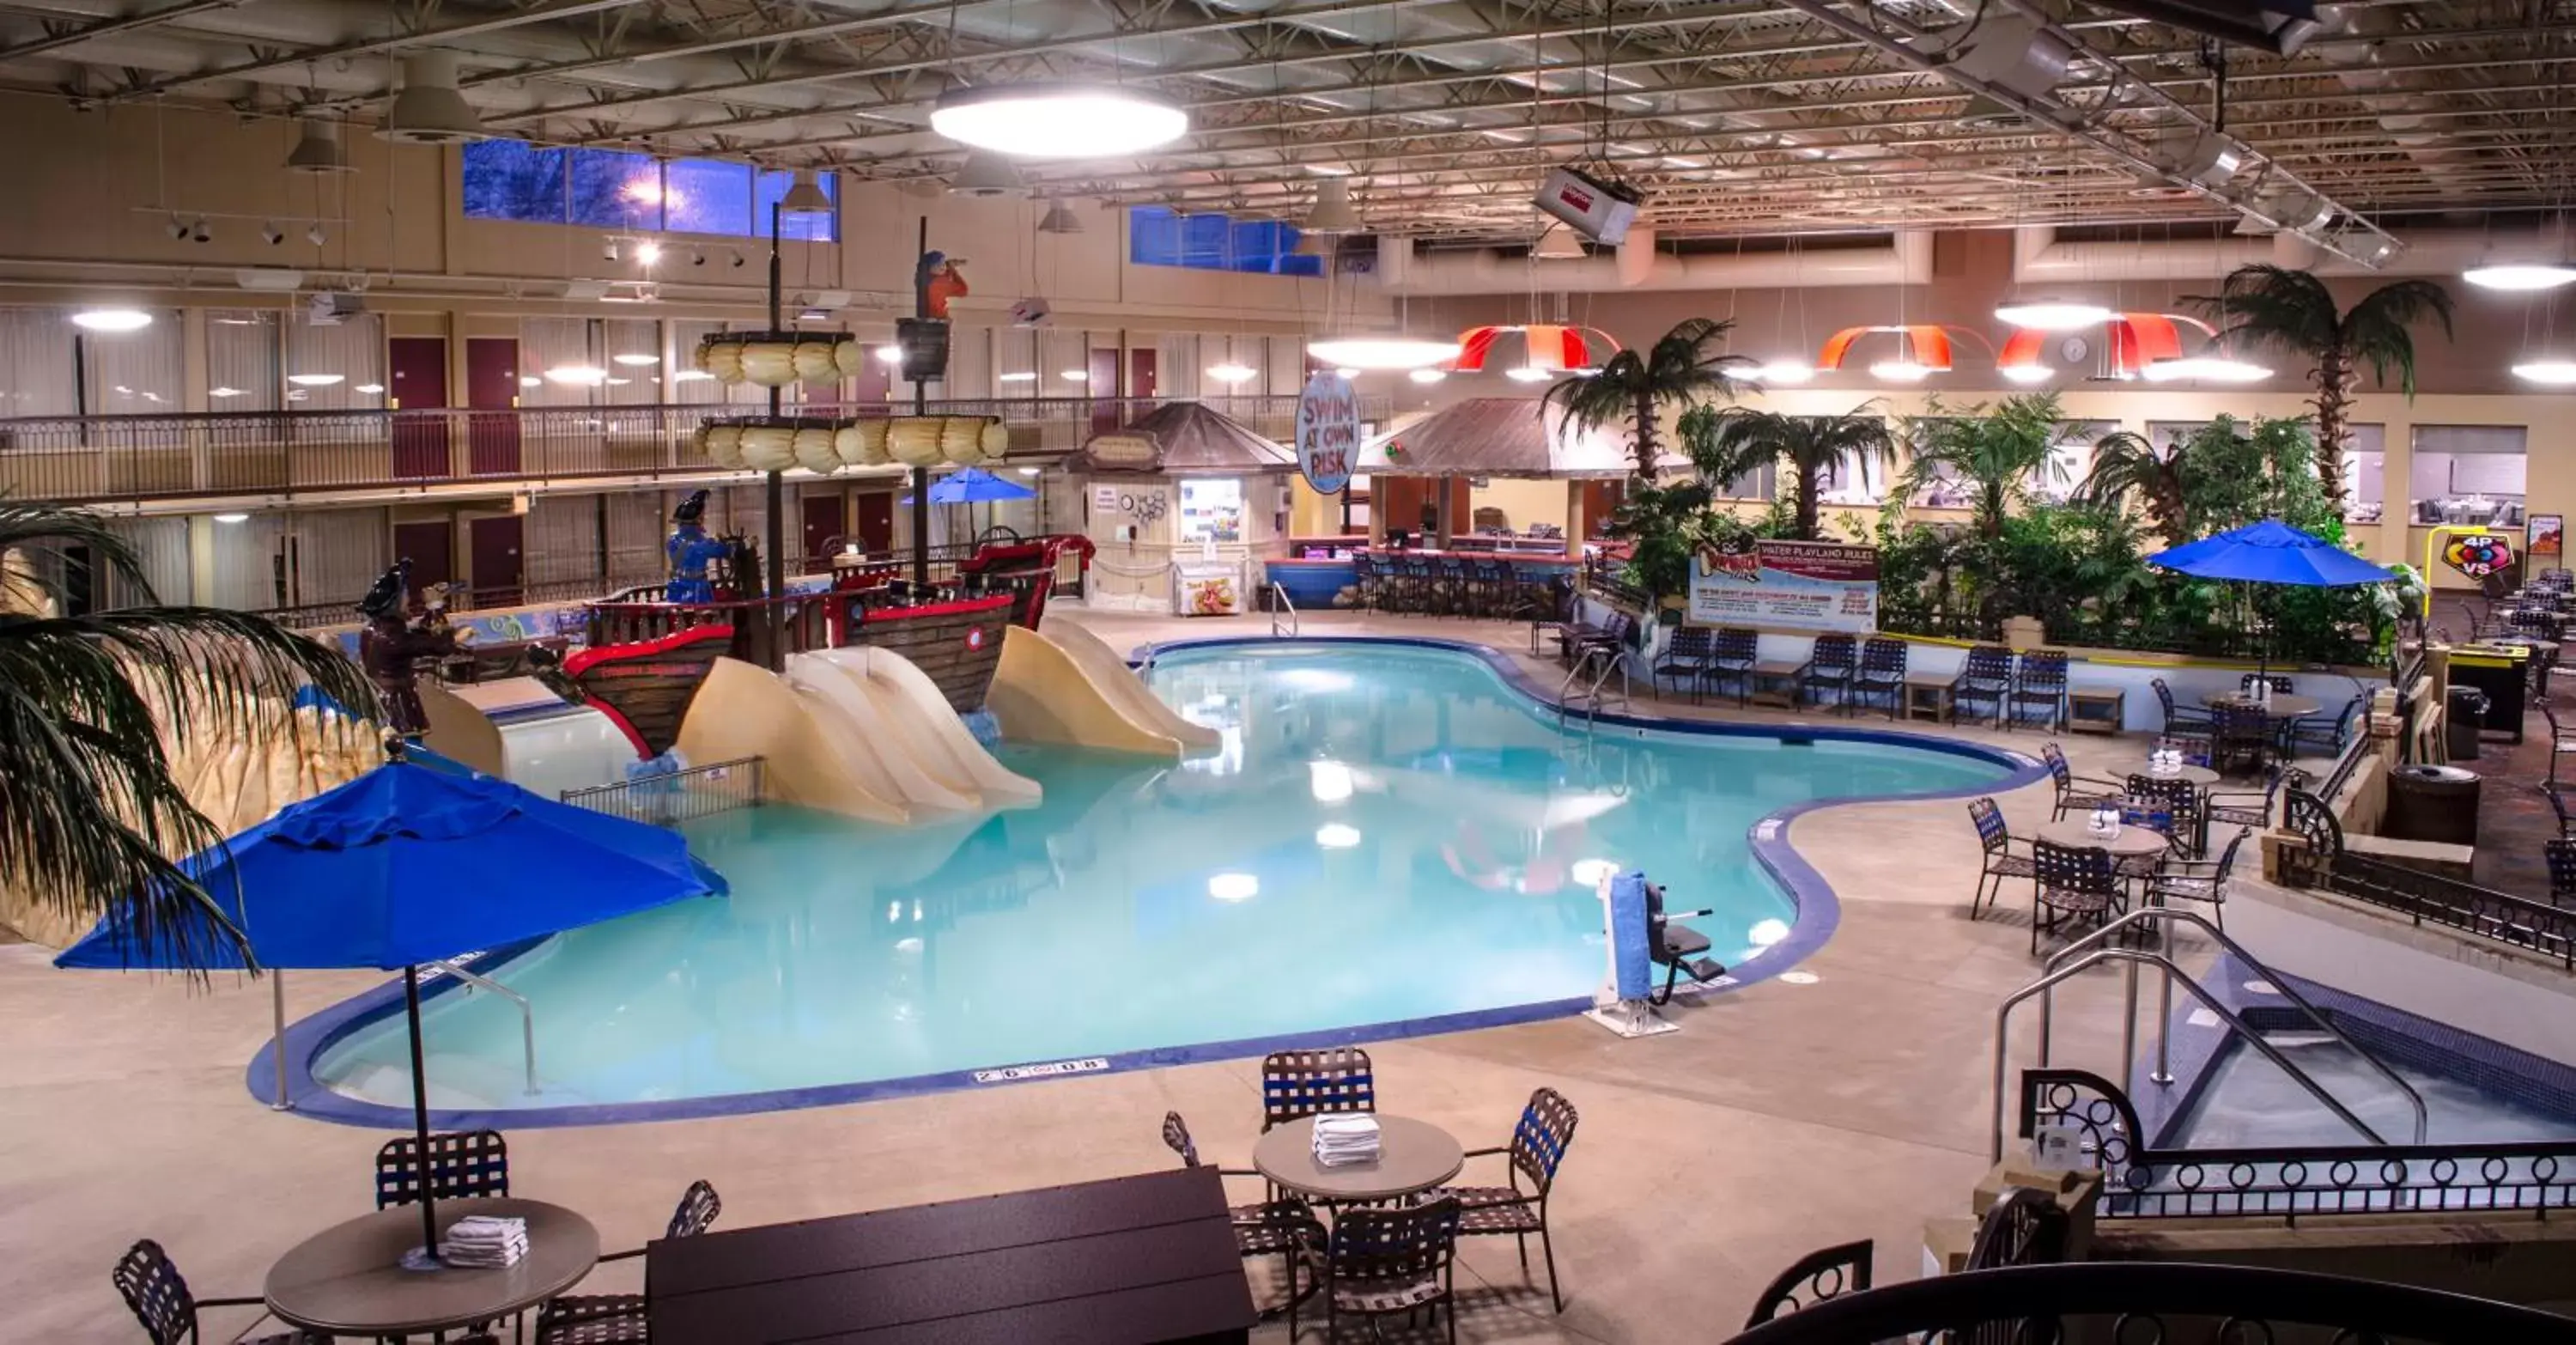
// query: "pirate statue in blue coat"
[[690, 551]]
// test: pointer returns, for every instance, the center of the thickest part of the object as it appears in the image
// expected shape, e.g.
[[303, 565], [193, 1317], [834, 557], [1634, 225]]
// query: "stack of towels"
[[481, 1240], [1343, 1141]]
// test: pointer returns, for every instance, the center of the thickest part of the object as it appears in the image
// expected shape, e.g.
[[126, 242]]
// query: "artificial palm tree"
[[90, 818], [1679, 370], [1995, 453], [1726, 444], [2293, 312], [2127, 465]]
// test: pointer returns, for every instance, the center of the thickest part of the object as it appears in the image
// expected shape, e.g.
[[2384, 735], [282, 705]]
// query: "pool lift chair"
[[1677, 948]]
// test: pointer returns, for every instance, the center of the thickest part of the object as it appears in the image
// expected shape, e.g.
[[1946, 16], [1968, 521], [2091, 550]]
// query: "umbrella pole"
[[277, 1039], [420, 1121]]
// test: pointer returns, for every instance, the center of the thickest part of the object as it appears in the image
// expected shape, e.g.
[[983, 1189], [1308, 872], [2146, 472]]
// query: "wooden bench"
[[2437, 857]]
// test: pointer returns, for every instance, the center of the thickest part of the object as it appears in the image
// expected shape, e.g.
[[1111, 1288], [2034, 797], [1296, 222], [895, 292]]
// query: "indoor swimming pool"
[[1391, 838]]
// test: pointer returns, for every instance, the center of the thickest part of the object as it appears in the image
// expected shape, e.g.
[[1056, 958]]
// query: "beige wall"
[[1522, 502]]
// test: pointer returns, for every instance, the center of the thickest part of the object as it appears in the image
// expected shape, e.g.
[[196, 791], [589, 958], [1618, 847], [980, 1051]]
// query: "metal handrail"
[[2164, 1026], [527, 1016], [2003, 1037], [1279, 603], [1610, 661]]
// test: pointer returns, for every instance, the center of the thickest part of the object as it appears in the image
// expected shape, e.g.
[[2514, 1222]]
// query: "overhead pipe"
[[2039, 258], [1637, 267]]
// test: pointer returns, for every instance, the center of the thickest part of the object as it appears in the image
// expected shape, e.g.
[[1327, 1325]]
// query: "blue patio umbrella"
[[2271, 552], [404, 865], [974, 485]]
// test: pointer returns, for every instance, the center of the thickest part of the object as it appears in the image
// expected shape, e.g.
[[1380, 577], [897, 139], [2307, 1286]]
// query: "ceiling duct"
[[429, 110], [1637, 265], [2280, 27], [2006, 51], [318, 150]]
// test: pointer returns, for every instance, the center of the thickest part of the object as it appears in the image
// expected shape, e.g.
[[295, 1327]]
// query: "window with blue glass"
[[617, 190], [1208, 241]]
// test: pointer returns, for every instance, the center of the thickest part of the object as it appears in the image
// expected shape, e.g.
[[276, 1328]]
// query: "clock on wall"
[[2073, 348]]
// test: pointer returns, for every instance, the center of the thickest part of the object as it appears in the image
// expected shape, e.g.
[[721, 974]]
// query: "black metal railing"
[[2158, 1303], [670, 798], [2322, 862], [216, 455], [2287, 1182]]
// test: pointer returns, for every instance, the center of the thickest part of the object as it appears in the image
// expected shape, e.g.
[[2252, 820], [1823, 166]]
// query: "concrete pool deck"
[[1782, 1118]]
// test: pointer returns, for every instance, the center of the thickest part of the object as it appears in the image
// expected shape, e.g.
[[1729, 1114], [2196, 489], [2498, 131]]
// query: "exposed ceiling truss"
[[1734, 116]]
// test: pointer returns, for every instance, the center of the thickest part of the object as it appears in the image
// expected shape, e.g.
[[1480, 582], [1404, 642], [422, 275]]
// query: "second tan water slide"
[[1123, 688]]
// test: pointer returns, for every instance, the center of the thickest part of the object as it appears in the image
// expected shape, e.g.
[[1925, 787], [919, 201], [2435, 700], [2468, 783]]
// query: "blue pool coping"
[[1818, 914]]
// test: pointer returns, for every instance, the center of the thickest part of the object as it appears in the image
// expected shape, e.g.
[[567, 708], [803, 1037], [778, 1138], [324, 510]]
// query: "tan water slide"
[[1065, 686], [857, 732]]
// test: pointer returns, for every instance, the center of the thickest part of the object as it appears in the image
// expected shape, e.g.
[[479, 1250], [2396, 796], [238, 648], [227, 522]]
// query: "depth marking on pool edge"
[[1046, 1070]]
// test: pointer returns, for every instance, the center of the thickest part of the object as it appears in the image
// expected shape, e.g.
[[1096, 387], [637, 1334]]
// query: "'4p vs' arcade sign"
[[1328, 432]]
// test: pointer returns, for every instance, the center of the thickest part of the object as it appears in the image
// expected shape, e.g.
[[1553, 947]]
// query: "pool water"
[[1387, 834], [2248, 1102]]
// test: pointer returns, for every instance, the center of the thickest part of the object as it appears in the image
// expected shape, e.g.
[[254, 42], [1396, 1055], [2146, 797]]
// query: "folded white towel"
[[1354, 1123]]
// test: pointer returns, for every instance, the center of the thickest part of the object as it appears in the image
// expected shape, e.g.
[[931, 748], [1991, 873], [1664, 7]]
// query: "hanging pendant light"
[[1388, 350], [429, 110], [1557, 242], [1059, 220], [2549, 371], [2049, 314], [2520, 277], [1332, 214], [1058, 121], [804, 196], [318, 150], [1232, 374], [1923, 350], [987, 176]]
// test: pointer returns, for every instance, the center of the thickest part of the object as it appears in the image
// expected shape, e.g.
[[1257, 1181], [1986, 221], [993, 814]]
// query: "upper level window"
[[614, 189], [1207, 241]]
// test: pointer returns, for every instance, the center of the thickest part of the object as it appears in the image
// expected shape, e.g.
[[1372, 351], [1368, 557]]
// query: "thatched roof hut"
[[1498, 436], [1183, 439]]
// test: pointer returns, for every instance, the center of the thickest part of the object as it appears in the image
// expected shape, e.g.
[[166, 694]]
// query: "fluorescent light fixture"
[[1016, 376], [613, 382], [1234, 886], [1231, 373], [889, 354], [1383, 352], [1901, 371], [1028, 471], [690, 375], [2206, 369], [1783, 373], [1592, 872], [371, 389], [316, 380], [579, 375], [1428, 376], [224, 392], [1346, 372], [2520, 276], [1337, 836], [1075, 375], [112, 319], [636, 360], [2554, 373], [1329, 781], [1058, 121], [531, 382], [647, 253], [1529, 373], [2026, 373], [2053, 315], [232, 518]]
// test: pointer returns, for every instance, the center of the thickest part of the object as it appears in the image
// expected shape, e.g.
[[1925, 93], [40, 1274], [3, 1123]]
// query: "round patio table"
[[2134, 840], [2279, 707], [1413, 1156], [349, 1280], [2201, 776]]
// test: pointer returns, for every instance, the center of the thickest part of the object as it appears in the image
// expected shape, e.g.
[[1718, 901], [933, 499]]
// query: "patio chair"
[[2561, 853], [2181, 721], [2558, 804], [2072, 884], [1551, 613], [2560, 745], [1828, 1272], [623, 1319], [2167, 804], [1283, 1226], [1984, 675], [2240, 743], [2283, 684], [1686, 656], [2075, 793], [2043, 684], [160, 1298], [1731, 658], [1315, 1083], [462, 1164], [2001, 861], [1538, 1145], [1832, 661], [1381, 1261], [1881, 676], [1676, 948], [2316, 736], [2199, 879], [2243, 808], [1366, 587]]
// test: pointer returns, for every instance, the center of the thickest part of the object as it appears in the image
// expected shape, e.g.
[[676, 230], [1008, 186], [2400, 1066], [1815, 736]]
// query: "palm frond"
[[51, 531], [2275, 308], [2376, 331]]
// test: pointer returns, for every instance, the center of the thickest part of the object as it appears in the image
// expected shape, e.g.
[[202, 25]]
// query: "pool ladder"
[[1601, 662], [1280, 607], [527, 1017], [2067, 964]]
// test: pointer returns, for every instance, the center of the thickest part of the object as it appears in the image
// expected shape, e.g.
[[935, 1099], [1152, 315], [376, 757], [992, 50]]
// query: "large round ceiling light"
[[2053, 315], [2553, 373], [1058, 121], [2205, 369], [1383, 352], [2520, 277], [1902, 371]]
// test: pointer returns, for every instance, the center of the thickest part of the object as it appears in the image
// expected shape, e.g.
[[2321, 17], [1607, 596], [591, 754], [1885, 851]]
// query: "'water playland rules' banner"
[[1831, 586]]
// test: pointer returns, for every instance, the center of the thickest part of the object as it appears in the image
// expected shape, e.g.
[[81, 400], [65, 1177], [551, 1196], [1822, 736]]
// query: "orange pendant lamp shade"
[[1926, 344], [1557, 349]]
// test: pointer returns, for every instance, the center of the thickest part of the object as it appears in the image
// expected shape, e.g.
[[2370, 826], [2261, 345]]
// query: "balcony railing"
[[259, 454]]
